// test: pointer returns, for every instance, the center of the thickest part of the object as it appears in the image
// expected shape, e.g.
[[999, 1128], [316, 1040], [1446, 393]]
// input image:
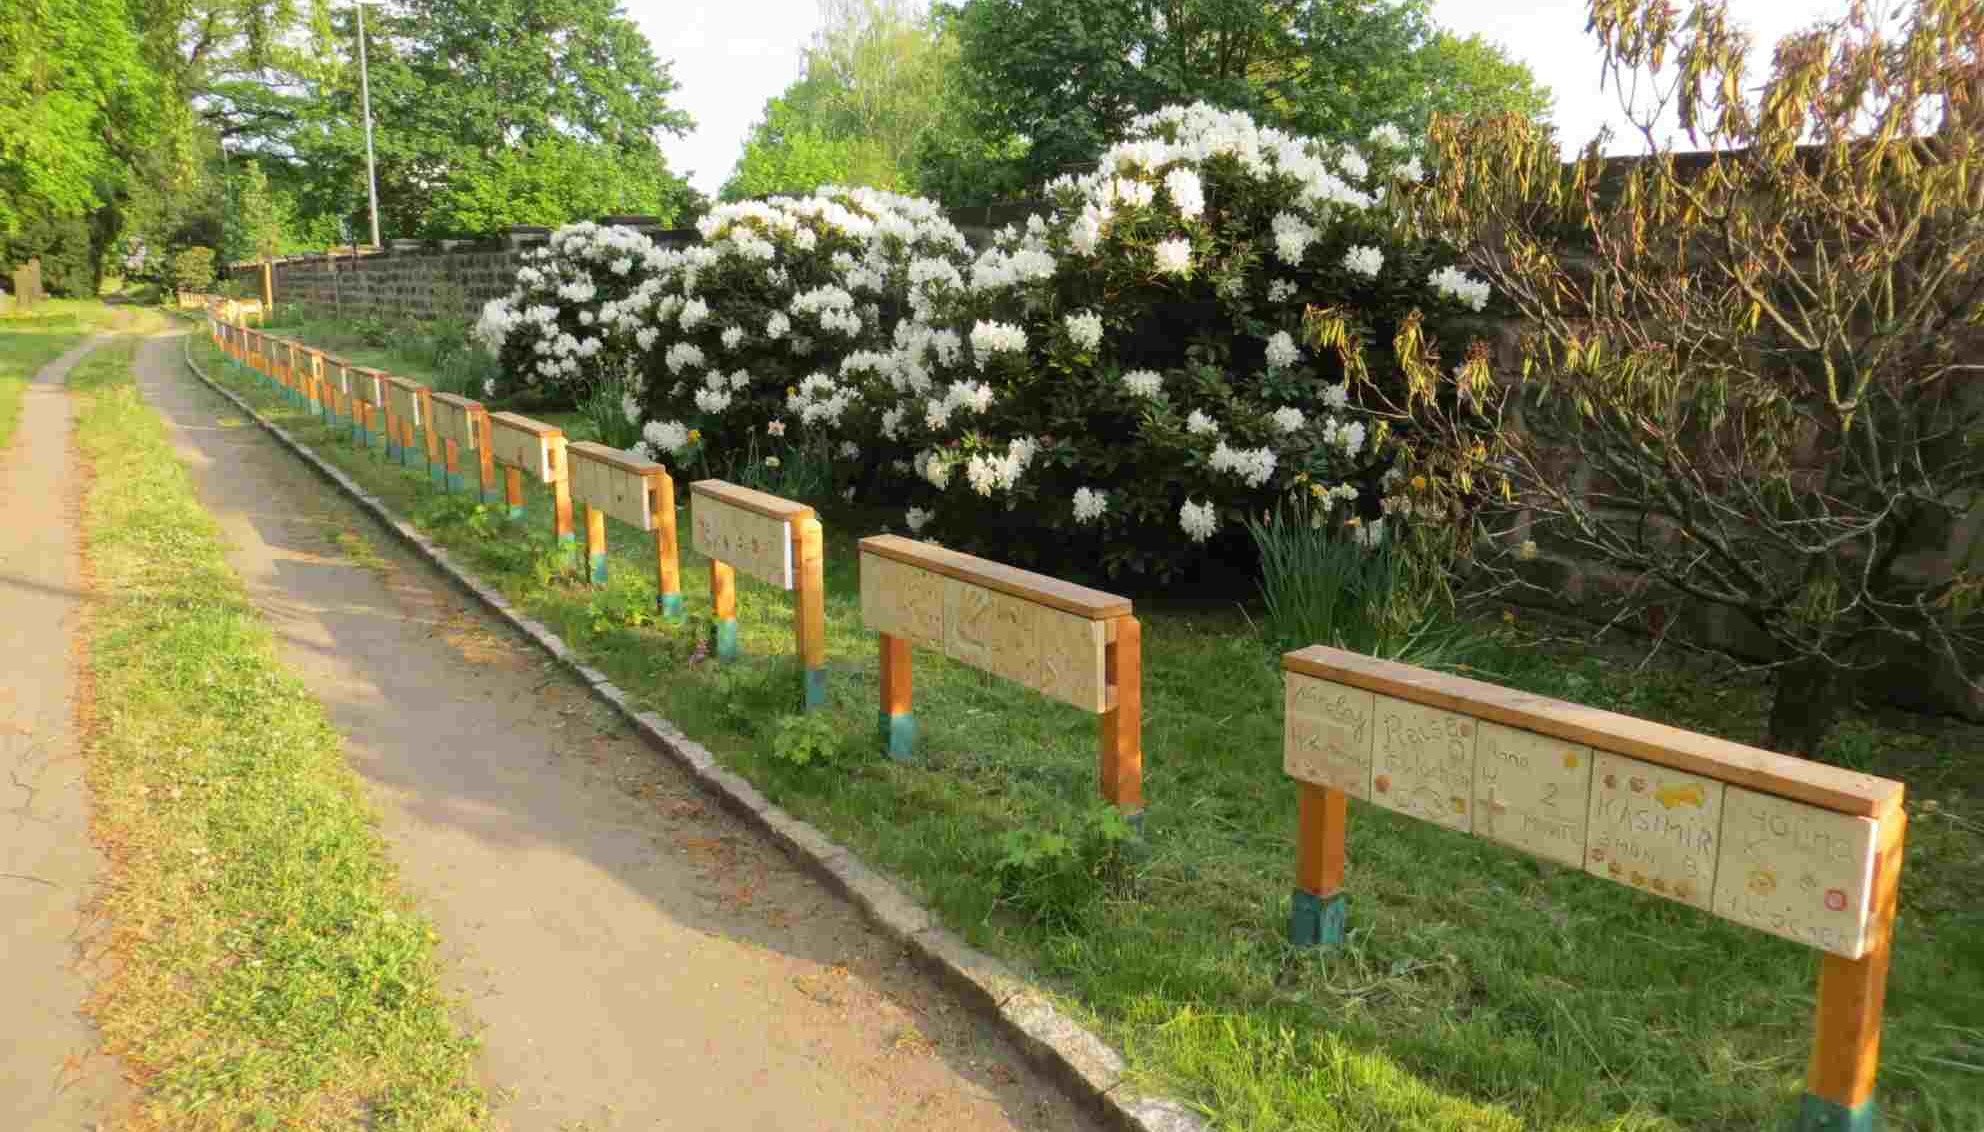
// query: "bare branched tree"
[[1766, 356]]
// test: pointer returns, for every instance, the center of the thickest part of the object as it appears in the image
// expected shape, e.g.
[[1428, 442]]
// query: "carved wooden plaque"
[[1532, 792], [1796, 871], [1327, 730], [527, 445], [455, 419], [902, 601], [406, 399], [1654, 828], [618, 483], [757, 544], [1422, 763]]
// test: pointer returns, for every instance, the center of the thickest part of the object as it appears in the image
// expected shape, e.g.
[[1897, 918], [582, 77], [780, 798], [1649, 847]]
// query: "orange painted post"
[[1846, 1053], [451, 463], [595, 545], [898, 715], [561, 495], [513, 491], [392, 431], [485, 457], [723, 600], [1317, 914], [667, 550], [809, 609], [435, 468], [1121, 765]]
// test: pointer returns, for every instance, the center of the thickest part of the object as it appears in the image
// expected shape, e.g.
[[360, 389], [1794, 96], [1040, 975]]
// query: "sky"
[[730, 56]]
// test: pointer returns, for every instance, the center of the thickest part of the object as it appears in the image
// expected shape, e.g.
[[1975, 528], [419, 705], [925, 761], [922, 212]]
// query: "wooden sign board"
[[368, 385], [338, 372], [619, 483], [1040, 632], [748, 529], [405, 393], [1775, 843], [519, 442], [454, 419]]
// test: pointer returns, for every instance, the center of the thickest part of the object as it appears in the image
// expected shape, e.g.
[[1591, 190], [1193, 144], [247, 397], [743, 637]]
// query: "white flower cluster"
[[820, 400], [1253, 465], [1198, 520], [1143, 383], [1457, 285], [1084, 329], [1090, 504], [1282, 351], [1364, 260], [985, 473], [989, 338], [560, 310]]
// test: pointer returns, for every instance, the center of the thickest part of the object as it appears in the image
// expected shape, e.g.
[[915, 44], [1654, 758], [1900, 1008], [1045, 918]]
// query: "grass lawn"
[[32, 340], [1480, 988], [269, 973]]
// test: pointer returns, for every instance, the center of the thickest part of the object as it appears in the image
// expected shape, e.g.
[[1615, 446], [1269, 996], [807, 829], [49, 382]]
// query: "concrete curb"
[[1082, 1062]]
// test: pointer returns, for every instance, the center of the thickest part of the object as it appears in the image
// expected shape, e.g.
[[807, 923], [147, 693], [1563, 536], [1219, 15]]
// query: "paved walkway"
[[633, 957], [50, 1075]]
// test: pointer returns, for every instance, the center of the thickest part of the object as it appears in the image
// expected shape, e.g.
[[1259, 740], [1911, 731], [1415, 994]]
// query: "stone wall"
[[419, 280]]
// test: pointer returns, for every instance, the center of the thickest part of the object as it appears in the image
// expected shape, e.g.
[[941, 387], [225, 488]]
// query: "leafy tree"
[[255, 220], [1069, 74], [193, 269], [1761, 354], [880, 104]]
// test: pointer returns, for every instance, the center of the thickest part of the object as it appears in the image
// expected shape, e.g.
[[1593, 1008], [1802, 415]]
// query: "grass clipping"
[[267, 971]]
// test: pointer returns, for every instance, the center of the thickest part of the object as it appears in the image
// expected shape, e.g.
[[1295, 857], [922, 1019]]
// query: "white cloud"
[[728, 59]]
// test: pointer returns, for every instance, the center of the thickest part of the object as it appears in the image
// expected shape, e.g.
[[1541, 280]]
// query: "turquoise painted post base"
[[596, 568], [670, 606], [392, 448], [439, 472], [1316, 921], [517, 513], [1817, 1114], [898, 735], [488, 497], [726, 640], [364, 437], [816, 689]]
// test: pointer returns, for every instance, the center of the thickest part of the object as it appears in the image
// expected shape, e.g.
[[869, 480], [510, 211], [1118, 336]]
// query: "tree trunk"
[[1804, 704]]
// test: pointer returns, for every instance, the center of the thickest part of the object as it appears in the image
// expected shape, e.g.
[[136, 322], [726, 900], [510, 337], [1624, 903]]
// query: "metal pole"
[[365, 99]]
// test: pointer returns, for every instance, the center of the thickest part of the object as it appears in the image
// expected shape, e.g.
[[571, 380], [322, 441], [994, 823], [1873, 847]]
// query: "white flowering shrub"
[[551, 332], [782, 319], [1128, 378]]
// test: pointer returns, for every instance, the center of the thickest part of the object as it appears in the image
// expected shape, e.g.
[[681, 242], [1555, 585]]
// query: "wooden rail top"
[[1038, 588], [525, 424], [615, 457], [762, 503], [1829, 787], [458, 401], [406, 383]]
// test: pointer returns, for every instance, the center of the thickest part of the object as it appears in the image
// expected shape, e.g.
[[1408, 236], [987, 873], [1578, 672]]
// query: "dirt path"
[[50, 1076], [636, 959]]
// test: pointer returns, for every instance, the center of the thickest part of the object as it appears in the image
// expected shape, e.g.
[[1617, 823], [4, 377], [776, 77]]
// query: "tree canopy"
[[1069, 74]]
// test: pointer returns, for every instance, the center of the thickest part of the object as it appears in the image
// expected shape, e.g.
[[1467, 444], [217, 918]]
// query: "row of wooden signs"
[[1790, 847]]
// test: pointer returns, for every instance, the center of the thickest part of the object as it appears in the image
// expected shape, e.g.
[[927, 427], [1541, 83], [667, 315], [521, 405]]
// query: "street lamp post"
[[365, 99]]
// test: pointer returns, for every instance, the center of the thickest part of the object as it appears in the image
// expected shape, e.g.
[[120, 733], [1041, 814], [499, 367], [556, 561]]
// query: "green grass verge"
[[268, 972], [29, 341], [1480, 989]]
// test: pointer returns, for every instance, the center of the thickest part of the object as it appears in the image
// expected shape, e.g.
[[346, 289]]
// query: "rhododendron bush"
[[550, 332], [1177, 343]]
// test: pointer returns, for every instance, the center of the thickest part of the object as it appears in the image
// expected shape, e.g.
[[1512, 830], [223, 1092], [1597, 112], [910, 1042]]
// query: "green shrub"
[[1056, 876], [193, 269]]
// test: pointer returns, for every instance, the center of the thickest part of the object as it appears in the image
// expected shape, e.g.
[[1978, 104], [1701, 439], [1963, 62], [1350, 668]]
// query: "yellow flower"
[[1317, 490], [1419, 483], [695, 435], [1508, 617]]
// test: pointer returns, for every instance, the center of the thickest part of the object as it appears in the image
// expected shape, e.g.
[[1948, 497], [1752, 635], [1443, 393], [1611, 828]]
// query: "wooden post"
[[513, 491], [561, 496], [723, 599], [1317, 916], [435, 468], [1121, 766], [809, 610], [268, 287], [407, 448], [485, 458], [1846, 1052], [451, 474], [392, 431], [667, 551], [898, 715], [596, 545]]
